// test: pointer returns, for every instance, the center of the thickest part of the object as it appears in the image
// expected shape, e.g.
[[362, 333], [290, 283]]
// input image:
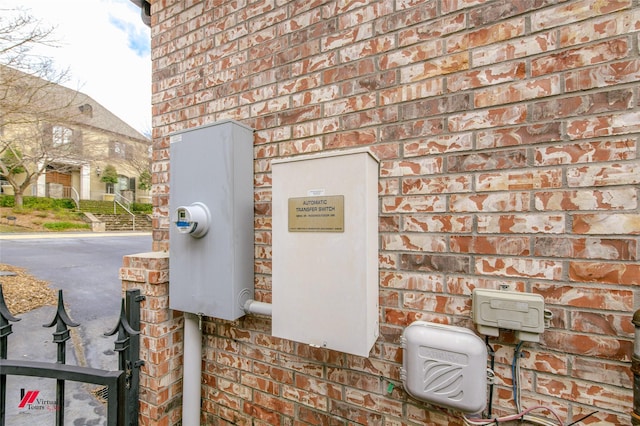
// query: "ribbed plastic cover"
[[445, 365]]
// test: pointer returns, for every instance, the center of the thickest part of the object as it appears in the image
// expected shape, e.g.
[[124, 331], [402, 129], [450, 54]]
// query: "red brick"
[[496, 117], [514, 49], [596, 395], [413, 204], [542, 133], [585, 152], [436, 185], [601, 371], [599, 323], [496, 74], [449, 6], [504, 202], [586, 248], [351, 139], [517, 92], [412, 242], [604, 347], [585, 297], [575, 11], [430, 29], [615, 73], [506, 159], [367, 48], [622, 199], [515, 181], [503, 30], [438, 223], [605, 272], [610, 50], [604, 125], [346, 37], [608, 224], [516, 246], [347, 71], [438, 144], [519, 267]]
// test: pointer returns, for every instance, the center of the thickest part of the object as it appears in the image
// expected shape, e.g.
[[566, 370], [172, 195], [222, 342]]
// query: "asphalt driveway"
[[86, 268]]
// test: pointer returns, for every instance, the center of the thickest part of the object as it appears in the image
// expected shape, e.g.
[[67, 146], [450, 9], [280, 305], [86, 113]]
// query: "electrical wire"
[[492, 354], [515, 376], [518, 416], [582, 418], [516, 389]]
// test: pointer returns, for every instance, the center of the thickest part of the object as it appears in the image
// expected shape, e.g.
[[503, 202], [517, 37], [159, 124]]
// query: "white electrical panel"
[[325, 250], [445, 365], [495, 309], [211, 231]]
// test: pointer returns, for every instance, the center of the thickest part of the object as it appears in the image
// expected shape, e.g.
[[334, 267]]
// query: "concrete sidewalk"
[[85, 266], [31, 341]]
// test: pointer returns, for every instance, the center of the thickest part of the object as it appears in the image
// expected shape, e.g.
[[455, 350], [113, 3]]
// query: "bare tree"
[[33, 105]]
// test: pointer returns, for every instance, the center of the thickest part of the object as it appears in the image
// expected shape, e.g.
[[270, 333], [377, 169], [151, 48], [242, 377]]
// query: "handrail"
[[75, 197], [125, 203]]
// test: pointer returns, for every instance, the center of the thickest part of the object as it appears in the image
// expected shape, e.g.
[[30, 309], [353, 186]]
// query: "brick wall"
[[508, 134]]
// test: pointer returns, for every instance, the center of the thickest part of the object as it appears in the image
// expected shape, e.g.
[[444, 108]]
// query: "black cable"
[[493, 362], [582, 418]]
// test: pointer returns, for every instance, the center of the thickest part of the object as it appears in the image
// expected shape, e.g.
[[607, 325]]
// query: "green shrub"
[[44, 203], [39, 203], [141, 208], [63, 226], [7, 201]]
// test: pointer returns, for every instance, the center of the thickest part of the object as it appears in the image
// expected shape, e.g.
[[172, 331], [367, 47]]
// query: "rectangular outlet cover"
[[512, 310]]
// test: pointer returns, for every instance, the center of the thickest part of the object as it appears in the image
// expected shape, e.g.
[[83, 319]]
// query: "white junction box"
[[512, 310], [445, 365], [325, 250], [211, 231]]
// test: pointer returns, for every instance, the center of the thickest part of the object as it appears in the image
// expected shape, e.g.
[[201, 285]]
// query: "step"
[[124, 222]]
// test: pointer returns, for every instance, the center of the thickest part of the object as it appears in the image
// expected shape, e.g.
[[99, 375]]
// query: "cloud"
[[106, 47], [139, 41]]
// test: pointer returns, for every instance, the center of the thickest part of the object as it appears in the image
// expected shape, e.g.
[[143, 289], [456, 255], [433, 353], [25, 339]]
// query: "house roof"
[[62, 102]]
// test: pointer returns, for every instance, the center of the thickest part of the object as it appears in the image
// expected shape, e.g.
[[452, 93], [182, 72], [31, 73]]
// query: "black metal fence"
[[121, 385]]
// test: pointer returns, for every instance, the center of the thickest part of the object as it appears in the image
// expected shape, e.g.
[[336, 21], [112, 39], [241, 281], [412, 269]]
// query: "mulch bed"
[[23, 292]]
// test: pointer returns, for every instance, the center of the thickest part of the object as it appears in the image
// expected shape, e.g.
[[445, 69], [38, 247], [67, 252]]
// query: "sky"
[[106, 48]]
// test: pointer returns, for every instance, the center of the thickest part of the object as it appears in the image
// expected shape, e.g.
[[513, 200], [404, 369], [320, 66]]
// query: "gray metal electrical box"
[[211, 230]]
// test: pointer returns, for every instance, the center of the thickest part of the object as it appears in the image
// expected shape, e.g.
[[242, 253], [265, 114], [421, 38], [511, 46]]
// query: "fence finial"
[[61, 321]]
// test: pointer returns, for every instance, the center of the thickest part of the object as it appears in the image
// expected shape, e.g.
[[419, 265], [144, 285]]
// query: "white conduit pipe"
[[192, 361], [192, 371], [254, 307]]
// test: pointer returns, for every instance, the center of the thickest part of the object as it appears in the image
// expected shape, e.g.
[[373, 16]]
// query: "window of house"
[[123, 183], [117, 149], [86, 109], [61, 135]]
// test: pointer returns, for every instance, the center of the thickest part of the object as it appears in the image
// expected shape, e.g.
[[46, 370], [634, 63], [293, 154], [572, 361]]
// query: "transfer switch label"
[[316, 214]]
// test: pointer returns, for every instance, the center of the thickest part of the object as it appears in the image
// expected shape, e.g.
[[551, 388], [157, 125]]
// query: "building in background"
[[70, 140]]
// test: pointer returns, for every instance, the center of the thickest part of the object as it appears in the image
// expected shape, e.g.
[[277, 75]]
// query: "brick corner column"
[[161, 337]]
